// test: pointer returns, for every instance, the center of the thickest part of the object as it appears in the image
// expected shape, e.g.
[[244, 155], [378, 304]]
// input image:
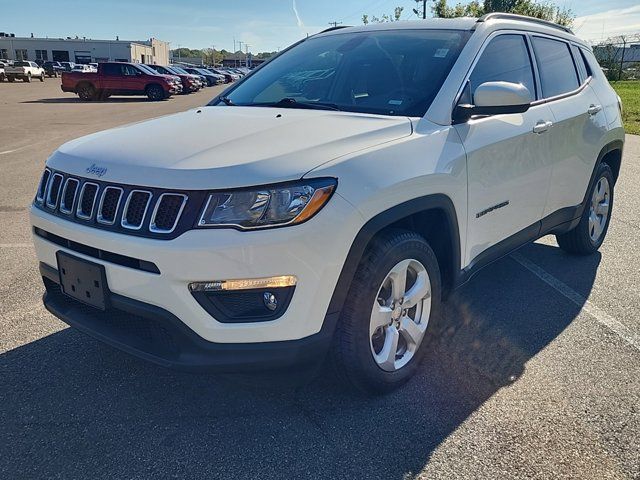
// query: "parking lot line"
[[599, 315], [16, 245]]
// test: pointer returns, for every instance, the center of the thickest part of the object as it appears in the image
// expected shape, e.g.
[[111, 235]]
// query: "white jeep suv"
[[328, 201]]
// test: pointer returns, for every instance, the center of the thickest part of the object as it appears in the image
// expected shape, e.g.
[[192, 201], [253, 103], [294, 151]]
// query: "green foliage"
[[545, 10], [394, 17], [629, 92]]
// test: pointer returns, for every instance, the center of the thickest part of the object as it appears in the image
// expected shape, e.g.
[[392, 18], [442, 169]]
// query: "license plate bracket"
[[83, 280]]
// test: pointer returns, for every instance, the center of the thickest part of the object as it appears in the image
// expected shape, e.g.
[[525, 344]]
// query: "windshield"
[[147, 69], [179, 70], [385, 72]]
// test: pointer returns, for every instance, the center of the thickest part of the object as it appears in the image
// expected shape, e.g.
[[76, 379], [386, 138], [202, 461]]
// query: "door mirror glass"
[[493, 98]]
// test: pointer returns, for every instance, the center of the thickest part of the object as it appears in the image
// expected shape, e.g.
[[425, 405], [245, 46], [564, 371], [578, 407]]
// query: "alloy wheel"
[[599, 209], [400, 315]]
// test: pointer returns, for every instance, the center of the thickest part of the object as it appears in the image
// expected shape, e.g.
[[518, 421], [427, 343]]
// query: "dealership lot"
[[535, 372]]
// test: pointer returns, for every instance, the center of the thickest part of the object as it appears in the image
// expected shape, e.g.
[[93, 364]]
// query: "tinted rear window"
[[557, 71]]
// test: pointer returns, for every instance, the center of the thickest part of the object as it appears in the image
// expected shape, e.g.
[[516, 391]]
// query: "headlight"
[[268, 206]]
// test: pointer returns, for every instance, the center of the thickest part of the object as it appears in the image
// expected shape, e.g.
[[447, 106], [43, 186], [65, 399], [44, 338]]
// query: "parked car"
[[285, 221], [209, 78], [81, 67], [117, 78], [228, 77], [190, 83], [25, 71], [175, 79], [68, 66], [2, 74], [53, 69]]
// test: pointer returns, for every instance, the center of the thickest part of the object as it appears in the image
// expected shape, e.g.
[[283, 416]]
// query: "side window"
[[580, 63], [557, 71], [129, 70], [111, 69], [505, 59]]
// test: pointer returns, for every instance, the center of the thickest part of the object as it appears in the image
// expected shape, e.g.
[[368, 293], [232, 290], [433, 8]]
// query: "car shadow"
[[77, 100], [74, 408]]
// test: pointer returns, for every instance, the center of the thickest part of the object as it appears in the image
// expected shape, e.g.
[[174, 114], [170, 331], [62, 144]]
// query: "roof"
[[462, 23]]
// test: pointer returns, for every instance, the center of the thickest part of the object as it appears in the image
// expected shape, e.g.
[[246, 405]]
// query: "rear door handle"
[[542, 127], [593, 109]]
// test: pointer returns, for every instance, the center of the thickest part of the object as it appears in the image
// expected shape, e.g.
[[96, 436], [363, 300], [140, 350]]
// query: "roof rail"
[[337, 27], [513, 16]]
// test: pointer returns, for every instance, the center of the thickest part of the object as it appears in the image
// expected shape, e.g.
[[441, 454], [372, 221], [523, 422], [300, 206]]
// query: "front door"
[[507, 167]]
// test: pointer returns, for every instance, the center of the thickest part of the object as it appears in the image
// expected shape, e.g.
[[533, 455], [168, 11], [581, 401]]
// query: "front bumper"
[[314, 252], [155, 335]]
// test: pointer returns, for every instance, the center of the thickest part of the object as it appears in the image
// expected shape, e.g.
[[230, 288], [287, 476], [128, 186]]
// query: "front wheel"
[[42, 77], [589, 234], [155, 93], [394, 297]]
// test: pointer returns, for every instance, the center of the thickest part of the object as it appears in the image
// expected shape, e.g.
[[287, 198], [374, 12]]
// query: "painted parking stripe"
[[598, 314]]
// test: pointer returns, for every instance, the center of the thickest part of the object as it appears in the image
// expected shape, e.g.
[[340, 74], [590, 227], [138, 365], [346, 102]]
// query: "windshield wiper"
[[227, 101], [289, 102]]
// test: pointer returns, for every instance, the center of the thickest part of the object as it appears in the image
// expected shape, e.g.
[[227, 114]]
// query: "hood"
[[224, 147]]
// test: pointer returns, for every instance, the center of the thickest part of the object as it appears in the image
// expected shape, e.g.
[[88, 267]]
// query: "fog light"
[[247, 300], [244, 284]]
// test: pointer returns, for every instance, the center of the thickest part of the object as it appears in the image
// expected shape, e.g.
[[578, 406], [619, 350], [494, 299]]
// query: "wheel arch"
[[432, 216]]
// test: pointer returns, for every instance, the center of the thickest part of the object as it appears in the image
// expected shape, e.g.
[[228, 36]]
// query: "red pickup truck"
[[118, 78]]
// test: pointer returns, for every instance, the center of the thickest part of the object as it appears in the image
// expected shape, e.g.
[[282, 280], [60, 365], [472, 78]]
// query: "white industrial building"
[[83, 50]]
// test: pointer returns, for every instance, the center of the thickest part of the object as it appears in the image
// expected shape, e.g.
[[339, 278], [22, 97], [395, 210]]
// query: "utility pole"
[[234, 54], [624, 47], [246, 57], [335, 24], [424, 9]]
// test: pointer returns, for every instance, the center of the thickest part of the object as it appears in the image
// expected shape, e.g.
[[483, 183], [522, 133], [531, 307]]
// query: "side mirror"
[[493, 98]]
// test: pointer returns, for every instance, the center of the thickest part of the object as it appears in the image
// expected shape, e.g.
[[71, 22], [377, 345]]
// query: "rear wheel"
[[27, 78], [155, 93], [395, 295], [589, 234], [86, 92], [11, 79]]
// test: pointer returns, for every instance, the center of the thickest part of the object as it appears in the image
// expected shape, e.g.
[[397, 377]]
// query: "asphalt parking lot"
[[535, 374]]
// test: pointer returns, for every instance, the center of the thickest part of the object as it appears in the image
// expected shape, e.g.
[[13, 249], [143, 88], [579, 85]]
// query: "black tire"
[[27, 78], [351, 354], [86, 92], [579, 240], [155, 93], [42, 77], [11, 79]]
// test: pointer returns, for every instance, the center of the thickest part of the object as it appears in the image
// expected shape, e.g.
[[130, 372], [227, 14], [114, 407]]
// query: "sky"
[[266, 25]]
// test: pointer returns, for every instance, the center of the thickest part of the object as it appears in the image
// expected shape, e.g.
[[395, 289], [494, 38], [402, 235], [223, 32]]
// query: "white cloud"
[[295, 10], [600, 26]]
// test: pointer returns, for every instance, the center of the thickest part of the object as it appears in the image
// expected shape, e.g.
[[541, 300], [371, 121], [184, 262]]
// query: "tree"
[[545, 10], [394, 17]]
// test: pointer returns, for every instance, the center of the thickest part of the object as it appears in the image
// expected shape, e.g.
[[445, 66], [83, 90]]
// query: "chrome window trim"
[[48, 203], [99, 217], [123, 220], [152, 225], [69, 211], [40, 199], [79, 213]]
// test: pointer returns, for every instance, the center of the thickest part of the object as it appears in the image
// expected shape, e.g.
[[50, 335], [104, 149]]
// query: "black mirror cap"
[[464, 111]]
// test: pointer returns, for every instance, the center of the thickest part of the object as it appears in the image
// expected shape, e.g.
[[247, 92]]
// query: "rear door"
[[508, 173], [579, 122]]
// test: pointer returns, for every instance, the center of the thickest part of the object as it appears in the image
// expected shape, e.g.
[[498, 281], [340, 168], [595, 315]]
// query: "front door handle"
[[593, 109], [542, 127]]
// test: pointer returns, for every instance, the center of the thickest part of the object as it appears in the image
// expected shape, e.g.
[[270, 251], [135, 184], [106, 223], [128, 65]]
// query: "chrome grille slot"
[[135, 209], [87, 200], [53, 192], [167, 212], [42, 186], [69, 195], [108, 206]]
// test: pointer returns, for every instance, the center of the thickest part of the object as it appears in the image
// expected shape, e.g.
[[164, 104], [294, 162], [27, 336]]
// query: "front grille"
[[165, 215], [109, 203], [135, 209], [69, 195], [53, 192], [141, 211], [87, 200], [42, 187]]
